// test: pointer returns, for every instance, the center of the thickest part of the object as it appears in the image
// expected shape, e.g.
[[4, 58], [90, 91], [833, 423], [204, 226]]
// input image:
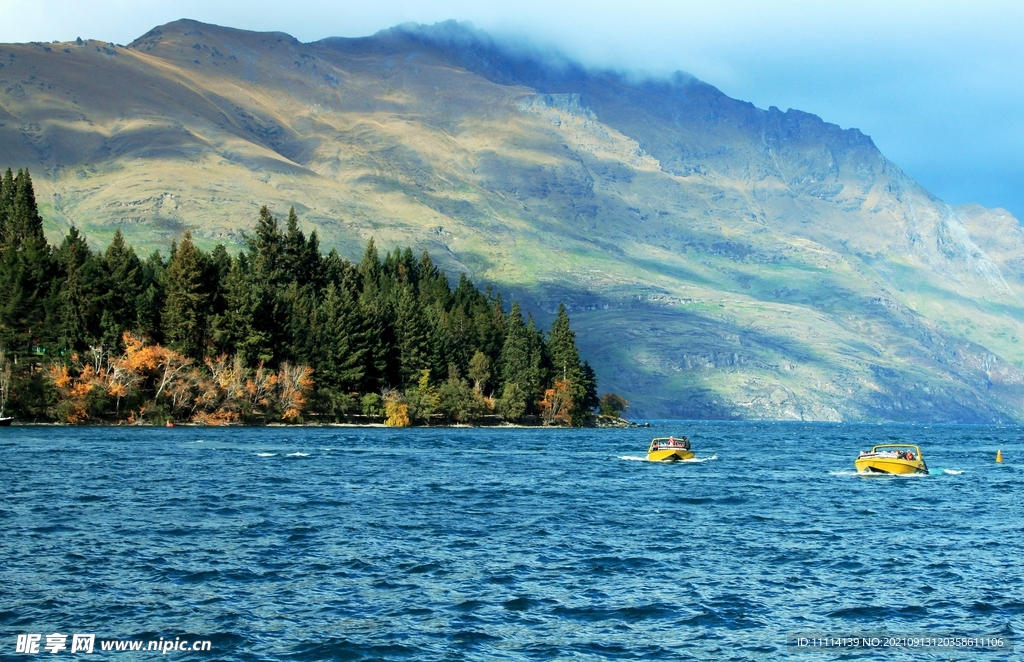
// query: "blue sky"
[[938, 85]]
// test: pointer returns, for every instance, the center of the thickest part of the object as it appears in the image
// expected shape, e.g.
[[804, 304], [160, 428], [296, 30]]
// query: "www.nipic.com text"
[[86, 643]]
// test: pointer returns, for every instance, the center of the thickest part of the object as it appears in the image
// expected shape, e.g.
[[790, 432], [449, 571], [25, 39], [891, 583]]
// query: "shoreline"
[[624, 424]]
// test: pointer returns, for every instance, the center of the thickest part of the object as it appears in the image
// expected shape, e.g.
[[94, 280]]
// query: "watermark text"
[[810, 642], [56, 642]]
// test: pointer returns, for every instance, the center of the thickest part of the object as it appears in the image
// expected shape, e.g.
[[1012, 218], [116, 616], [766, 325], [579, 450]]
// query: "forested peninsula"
[[278, 332]]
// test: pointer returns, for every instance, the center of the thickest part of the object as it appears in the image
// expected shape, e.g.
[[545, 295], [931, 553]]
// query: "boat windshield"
[[665, 443], [893, 452]]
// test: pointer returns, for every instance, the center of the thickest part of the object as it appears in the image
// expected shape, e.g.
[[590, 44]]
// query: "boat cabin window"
[[671, 442]]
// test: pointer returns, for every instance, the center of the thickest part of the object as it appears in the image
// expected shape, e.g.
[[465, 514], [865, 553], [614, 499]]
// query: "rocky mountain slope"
[[719, 260]]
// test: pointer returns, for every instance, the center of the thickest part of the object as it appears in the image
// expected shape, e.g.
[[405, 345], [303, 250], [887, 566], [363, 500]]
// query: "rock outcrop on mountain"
[[719, 260]]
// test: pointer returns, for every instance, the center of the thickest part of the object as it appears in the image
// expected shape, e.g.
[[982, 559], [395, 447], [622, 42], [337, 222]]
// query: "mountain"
[[719, 260]]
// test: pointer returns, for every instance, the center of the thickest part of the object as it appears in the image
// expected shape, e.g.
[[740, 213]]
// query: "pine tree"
[[433, 284], [413, 339], [590, 399], [267, 250], [300, 304], [441, 348], [186, 314], [301, 257], [335, 269], [565, 358], [383, 360], [538, 373], [78, 293], [24, 277], [565, 363], [340, 340], [515, 353], [149, 304], [408, 269], [235, 331], [6, 200], [123, 271], [25, 266], [314, 263], [460, 333], [36, 272], [522, 363], [401, 266], [481, 325], [261, 297], [491, 327], [369, 266], [219, 269], [24, 224]]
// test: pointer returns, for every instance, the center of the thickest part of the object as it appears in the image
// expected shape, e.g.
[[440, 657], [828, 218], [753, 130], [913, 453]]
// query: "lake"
[[506, 544]]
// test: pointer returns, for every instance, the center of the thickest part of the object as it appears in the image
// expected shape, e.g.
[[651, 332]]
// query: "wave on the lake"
[[875, 474], [692, 460]]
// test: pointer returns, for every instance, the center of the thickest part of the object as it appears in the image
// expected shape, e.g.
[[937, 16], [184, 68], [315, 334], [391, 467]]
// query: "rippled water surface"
[[510, 544]]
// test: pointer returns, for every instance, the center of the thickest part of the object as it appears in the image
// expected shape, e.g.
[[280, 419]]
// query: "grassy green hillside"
[[719, 260]]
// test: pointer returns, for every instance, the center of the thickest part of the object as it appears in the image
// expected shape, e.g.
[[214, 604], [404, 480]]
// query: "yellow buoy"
[[999, 455]]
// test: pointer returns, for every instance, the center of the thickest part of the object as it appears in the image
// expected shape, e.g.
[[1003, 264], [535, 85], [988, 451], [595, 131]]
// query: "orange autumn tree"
[[557, 405], [79, 390], [121, 382], [294, 384], [227, 392], [259, 390], [182, 394], [155, 366], [223, 391], [157, 378], [85, 385], [221, 396]]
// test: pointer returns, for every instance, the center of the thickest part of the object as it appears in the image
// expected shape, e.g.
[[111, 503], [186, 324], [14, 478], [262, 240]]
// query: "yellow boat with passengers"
[[669, 449], [892, 459]]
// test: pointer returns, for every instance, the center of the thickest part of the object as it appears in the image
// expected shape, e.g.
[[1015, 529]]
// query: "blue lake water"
[[506, 544]]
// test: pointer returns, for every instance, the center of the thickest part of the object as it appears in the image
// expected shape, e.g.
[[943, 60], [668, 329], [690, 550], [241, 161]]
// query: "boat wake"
[[876, 474], [692, 460], [266, 454]]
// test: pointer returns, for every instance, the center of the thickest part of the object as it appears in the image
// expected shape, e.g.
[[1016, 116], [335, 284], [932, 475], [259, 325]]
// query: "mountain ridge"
[[762, 264]]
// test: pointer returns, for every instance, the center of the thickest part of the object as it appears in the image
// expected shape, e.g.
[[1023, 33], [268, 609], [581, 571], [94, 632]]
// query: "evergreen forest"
[[279, 332]]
